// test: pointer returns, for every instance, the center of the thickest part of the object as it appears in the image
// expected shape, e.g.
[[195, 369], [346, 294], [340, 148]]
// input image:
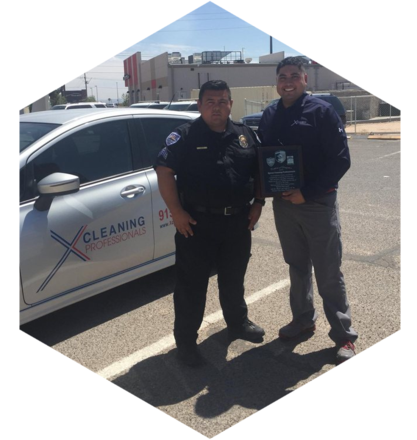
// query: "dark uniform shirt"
[[315, 125], [213, 169]]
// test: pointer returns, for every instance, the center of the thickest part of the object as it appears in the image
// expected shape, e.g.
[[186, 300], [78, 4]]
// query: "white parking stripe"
[[117, 368], [388, 155]]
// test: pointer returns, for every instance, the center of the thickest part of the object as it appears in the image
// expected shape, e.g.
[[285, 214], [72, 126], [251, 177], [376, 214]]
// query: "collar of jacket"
[[297, 104]]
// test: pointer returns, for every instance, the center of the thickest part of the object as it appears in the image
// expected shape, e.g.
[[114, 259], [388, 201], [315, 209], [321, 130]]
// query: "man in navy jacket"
[[307, 218]]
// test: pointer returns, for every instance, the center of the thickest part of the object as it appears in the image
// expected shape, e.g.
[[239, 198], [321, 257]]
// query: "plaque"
[[281, 169]]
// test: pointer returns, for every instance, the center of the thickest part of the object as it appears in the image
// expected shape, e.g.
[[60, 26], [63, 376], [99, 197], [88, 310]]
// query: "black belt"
[[228, 210]]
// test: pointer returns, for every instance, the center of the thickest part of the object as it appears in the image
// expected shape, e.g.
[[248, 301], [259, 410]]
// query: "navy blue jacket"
[[315, 125]]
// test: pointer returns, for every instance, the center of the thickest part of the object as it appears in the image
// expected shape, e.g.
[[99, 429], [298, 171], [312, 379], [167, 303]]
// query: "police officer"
[[215, 164], [307, 218]]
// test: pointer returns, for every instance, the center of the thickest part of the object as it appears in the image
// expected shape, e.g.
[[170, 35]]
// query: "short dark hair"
[[291, 61], [217, 84]]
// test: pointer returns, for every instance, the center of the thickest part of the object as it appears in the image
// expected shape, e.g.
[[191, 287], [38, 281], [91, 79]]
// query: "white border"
[[51, 396]]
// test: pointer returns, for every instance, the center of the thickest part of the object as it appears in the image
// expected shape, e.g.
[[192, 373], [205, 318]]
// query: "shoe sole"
[[340, 360], [291, 338]]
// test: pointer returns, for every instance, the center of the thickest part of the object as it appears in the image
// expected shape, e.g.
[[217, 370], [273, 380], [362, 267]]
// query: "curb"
[[385, 136]]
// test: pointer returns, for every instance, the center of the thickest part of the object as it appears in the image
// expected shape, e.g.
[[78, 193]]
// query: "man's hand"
[[294, 196], [254, 214], [182, 221]]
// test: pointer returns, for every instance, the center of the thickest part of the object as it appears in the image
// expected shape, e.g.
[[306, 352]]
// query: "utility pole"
[[270, 44], [85, 80]]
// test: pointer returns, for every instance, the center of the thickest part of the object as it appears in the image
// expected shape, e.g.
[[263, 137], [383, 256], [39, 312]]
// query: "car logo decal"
[[70, 249]]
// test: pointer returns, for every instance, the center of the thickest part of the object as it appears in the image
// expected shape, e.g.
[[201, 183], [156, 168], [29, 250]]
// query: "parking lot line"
[[121, 366]]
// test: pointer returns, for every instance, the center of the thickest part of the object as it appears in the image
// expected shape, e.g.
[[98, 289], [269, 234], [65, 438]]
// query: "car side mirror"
[[56, 184]]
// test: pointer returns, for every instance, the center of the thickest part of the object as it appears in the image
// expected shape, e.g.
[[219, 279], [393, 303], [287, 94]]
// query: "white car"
[[79, 105], [91, 215], [155, 105], [188, 106]]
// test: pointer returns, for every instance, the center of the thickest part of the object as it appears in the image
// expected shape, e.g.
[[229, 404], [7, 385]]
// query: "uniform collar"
[[229, 127], [297, 104]]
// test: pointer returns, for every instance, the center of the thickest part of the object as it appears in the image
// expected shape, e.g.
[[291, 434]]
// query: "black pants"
[[219, 241]]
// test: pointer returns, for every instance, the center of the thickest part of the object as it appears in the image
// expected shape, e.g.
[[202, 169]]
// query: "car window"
[[100, 105], [192, 107], [71, 107], [157, 106], [31, 132], [155, 132], [177, 107], [96, 152]]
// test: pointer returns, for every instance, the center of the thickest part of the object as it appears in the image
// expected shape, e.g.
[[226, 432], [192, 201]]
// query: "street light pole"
[[96, 92], [117, 87]]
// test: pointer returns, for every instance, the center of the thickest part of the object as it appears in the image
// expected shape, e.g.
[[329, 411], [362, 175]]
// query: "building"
[[170, 76]]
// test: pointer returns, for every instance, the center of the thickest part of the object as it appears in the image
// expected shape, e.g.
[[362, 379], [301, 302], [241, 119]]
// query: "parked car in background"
[[91, 215], [154, 105], [187, 106], [79, 105], [336, 103], [253, 119]]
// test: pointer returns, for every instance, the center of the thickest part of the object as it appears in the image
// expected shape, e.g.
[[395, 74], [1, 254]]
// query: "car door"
[[153, 131], [96, 238]]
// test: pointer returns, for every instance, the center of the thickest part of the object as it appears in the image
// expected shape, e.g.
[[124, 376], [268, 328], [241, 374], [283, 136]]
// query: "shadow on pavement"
[[255, 379]]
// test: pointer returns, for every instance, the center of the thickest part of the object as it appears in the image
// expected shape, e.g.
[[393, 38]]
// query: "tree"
[[91, 98], [125, 100], [57, 97]]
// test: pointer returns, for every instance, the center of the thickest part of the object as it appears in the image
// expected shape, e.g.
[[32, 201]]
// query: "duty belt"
[[228, 210]]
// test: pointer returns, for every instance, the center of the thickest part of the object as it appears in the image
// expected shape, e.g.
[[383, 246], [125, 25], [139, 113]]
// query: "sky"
[[46, 44], [206, 28]]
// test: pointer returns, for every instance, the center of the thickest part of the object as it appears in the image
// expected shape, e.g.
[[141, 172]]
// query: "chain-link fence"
[[254, 106], [366, 107], [359, 108]]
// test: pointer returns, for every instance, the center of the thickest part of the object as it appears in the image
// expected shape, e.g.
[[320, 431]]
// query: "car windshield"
[[178, 107], [31, 132]]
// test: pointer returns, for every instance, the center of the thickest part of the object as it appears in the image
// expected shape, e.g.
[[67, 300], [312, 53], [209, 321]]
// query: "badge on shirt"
[[243, 142], [172, 138]]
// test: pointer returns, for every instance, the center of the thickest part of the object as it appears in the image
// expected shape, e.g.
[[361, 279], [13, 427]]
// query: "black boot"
[[248, 331]]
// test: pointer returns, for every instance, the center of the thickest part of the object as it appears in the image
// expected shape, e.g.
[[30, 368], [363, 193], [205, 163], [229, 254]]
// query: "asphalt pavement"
[[125, 335]]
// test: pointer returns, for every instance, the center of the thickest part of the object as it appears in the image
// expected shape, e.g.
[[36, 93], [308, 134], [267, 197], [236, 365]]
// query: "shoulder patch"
[[163, 153], [172, 138]]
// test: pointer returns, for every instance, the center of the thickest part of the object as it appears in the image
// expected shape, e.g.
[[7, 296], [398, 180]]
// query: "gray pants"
[[310, 237]]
